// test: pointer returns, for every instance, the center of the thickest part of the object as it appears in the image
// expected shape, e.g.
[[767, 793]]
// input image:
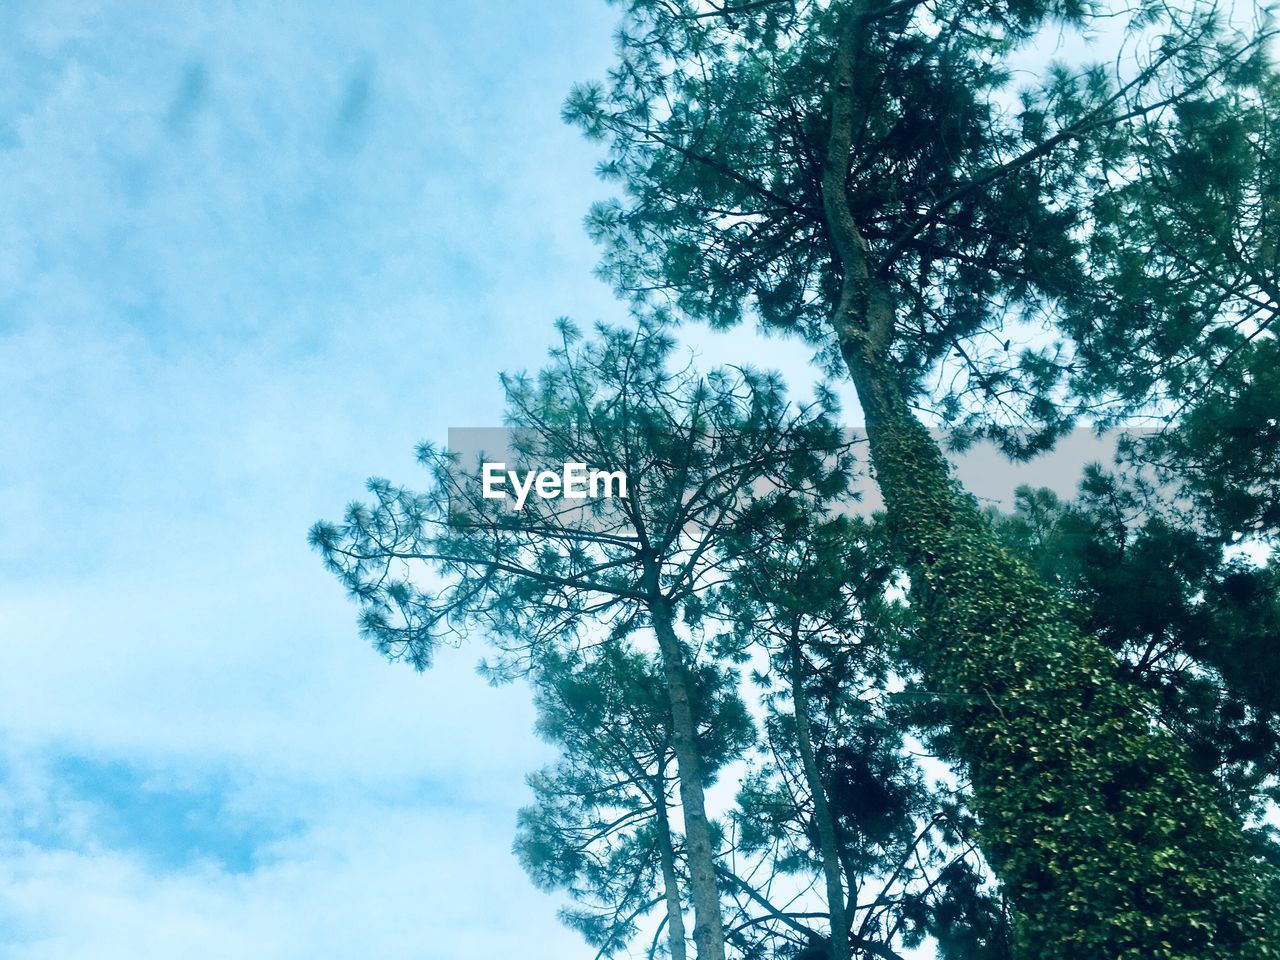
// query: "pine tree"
[[601, 824], [699, 453], [864, 174], [1188, 331], [1193, 624], [837, 792]]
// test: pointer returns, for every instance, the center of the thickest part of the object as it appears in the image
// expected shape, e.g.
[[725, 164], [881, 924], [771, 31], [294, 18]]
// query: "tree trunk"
[[828, 848], [670, 881], [1107, 843], [708, 923]]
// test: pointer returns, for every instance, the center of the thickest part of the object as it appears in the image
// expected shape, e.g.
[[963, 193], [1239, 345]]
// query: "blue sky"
[[251, 254]]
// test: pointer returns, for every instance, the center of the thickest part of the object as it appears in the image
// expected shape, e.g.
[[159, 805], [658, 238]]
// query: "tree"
[[1224, 451], [793, 595], [838, 791], [1189, 333], [600, 826], [697, 453], [773, 565], [862, 174], [1188, 622]]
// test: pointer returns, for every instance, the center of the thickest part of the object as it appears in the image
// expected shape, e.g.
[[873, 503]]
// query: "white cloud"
[[374, 881], [253, 255]]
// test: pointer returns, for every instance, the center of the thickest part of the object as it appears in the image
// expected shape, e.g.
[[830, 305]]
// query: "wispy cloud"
[[386, 880], [252, 255]]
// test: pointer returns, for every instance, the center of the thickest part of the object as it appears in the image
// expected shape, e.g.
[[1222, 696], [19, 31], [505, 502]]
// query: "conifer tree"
[[796, 594], [698, 453], [1188, 335], [601, 824], [1193, 624], [836, 790], [865, 175]]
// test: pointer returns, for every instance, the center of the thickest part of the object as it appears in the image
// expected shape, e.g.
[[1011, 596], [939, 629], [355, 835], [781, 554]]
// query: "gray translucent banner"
[[982, 469]]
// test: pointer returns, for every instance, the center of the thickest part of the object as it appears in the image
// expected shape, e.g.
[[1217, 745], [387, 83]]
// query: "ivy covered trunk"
[[1108, 845]]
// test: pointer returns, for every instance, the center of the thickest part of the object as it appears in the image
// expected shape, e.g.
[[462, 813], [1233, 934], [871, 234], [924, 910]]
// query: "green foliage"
[[987, 207], [1184, 246], [556, 584], [1225, 451], [698, 451], [973, 224], [562, 598], [815, 602], [599, 820], [1197, 629], [1105, 837]]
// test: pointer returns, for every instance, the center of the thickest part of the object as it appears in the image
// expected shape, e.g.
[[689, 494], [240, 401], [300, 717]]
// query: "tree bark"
[[670, 881], [1107, 843], [828, 848], [708, 922]]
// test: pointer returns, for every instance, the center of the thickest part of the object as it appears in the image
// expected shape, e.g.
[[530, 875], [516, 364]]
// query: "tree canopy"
[[1043, 734]]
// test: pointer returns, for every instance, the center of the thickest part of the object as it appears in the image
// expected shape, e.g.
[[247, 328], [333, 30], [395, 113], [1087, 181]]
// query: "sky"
[[250, 255]]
